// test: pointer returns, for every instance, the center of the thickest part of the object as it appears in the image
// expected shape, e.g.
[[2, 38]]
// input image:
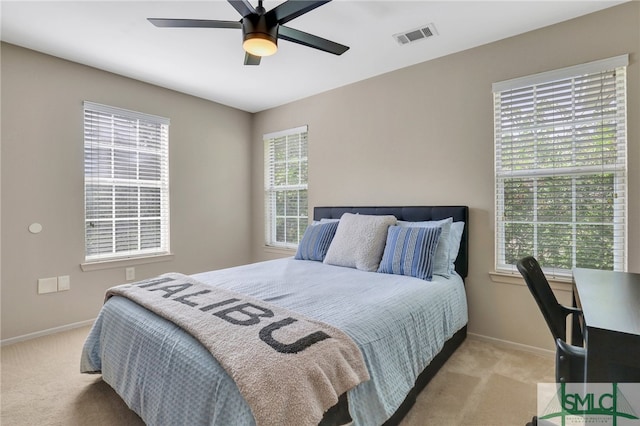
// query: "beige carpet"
[[482, 384]]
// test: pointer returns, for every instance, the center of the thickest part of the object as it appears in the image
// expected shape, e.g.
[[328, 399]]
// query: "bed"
[[167, 377]]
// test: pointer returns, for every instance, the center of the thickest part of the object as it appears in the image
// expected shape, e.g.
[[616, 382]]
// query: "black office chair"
[[535, 421], [569, 359]]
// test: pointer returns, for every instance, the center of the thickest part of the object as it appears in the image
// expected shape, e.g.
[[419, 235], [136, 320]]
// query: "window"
[[560, 152], [286, 212], [126, 183]]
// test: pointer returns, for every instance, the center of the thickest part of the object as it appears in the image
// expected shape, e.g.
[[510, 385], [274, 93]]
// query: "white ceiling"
[[115, 36]]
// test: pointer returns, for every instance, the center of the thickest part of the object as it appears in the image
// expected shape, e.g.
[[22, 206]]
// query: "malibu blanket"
[[290, 369]]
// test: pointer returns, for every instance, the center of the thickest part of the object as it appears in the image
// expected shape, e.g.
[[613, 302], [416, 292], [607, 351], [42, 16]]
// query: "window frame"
[[536, 174], [272, 188], [146, 143]]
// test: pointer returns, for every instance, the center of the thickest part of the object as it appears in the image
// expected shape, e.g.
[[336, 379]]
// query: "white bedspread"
[[399, 323]]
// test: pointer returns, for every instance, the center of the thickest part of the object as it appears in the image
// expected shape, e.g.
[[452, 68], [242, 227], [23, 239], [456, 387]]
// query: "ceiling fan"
[[261, 29]]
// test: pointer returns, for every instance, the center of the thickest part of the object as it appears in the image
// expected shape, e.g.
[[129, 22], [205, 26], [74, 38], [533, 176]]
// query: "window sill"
[[562, 284], [123, 263], [283, 251]]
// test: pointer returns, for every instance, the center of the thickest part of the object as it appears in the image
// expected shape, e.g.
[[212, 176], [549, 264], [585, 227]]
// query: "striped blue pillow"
[[315, 241], [410, 251]]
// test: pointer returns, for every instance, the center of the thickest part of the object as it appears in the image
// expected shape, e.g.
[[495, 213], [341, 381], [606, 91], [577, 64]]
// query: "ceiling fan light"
[[259, 44]]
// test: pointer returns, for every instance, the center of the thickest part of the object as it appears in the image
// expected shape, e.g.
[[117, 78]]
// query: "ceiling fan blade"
[[193, 23], [291, 9], [250, 59], [310, 40], [243, 7]]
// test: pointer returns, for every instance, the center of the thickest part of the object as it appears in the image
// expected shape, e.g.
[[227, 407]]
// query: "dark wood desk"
[[610, 302]]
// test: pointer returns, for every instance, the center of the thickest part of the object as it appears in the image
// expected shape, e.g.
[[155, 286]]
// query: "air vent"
[[416, 34]]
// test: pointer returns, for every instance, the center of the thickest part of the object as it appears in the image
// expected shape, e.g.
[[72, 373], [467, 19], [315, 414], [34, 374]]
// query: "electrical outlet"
[[130, 273], [64, 283]]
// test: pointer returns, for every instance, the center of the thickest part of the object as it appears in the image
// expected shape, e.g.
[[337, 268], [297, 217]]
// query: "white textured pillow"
[[359, 241]]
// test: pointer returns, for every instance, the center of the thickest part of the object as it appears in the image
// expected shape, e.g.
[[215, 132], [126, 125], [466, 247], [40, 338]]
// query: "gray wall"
[[42, 181], [393, 139], [424, 135]]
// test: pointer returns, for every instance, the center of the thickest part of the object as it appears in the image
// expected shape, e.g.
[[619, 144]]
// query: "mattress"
[[399, 323]]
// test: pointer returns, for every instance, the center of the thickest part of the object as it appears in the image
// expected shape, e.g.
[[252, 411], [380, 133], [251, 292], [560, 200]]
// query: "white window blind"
[[286, 211], [126, 183], [561, 168]]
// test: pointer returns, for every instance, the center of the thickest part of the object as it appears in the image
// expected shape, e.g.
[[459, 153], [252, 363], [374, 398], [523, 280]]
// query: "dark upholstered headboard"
[[413, 214]]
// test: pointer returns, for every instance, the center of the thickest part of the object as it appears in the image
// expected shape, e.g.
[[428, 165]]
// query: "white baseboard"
[[513, 345], [54, 330]]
